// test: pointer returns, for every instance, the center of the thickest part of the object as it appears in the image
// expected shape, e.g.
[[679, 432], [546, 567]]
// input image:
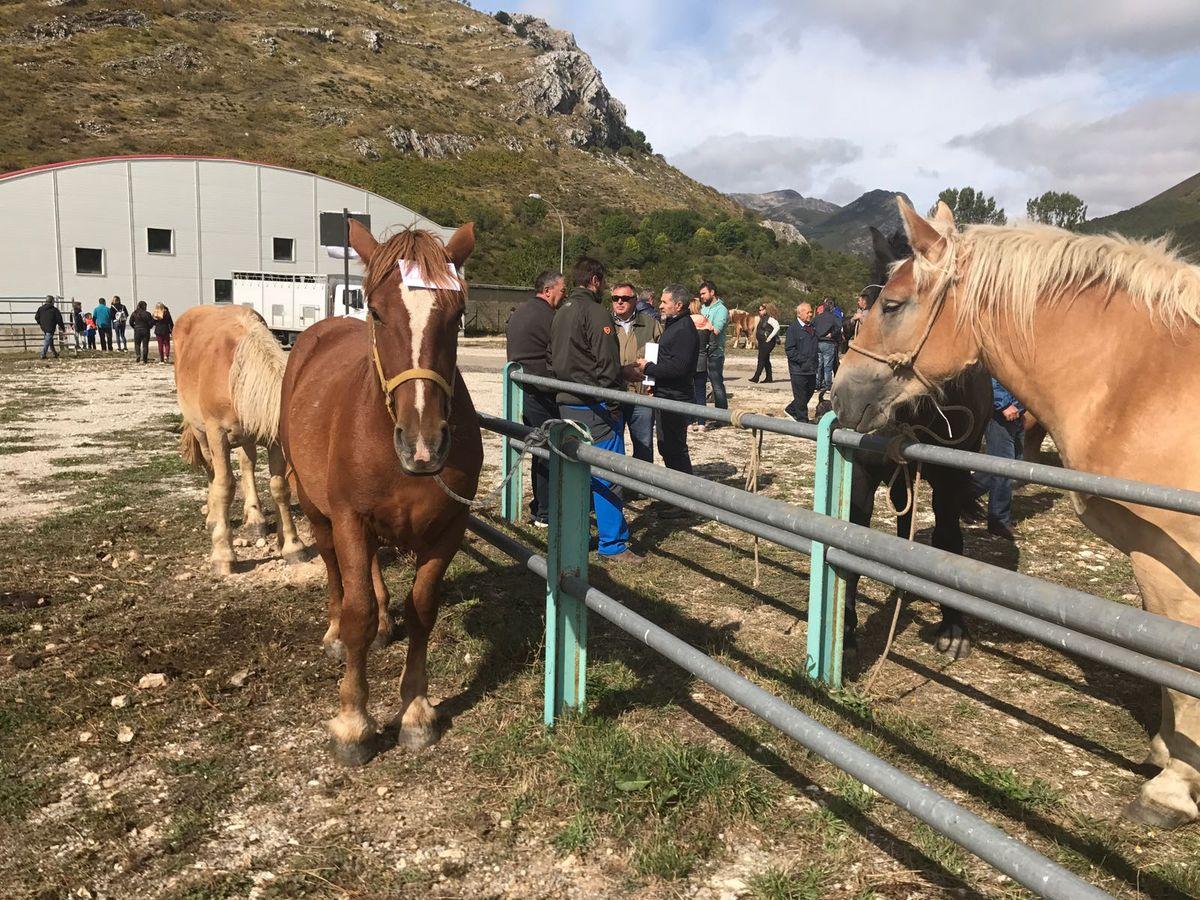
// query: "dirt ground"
[[161, 730]]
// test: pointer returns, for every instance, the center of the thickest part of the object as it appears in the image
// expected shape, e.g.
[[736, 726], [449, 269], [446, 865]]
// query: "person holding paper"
[[635, 330], [678, 349]]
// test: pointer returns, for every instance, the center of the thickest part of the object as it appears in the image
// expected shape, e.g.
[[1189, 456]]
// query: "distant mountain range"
[[1175, 210], [834, 227]]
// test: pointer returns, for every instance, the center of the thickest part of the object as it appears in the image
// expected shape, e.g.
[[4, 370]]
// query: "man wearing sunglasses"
[[635, 330]]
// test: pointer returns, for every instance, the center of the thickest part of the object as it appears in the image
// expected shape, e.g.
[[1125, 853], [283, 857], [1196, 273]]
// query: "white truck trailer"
[[290, 303]]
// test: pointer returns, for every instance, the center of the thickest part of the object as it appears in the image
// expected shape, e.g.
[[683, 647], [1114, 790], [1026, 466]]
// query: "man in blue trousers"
[[584, 349], [1004, 436]]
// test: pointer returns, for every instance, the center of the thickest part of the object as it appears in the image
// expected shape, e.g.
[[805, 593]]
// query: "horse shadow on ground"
[[728, 474], [1027, 505]]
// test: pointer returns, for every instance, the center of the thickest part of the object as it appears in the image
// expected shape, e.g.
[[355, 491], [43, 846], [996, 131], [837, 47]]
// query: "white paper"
[[410, 273], [650, 357]]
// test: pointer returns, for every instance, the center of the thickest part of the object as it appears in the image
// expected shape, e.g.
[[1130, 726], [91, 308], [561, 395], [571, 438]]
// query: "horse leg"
[[1169, 799], [220, 495], [418, 721], [323, 537], [291, 548], [354, 731], [383, 600], [253, 521], [862, 503], [950, 488]]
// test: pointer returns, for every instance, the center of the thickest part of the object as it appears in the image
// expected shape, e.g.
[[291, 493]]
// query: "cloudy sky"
[[834, 97]]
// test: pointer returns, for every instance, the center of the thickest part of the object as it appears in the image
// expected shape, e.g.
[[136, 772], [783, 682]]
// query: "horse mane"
[[256, 379], [1011, 271], [415, 245]]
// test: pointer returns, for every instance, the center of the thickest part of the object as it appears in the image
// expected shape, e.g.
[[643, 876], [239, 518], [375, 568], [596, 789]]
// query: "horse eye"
[[890, 306], [374, 315]]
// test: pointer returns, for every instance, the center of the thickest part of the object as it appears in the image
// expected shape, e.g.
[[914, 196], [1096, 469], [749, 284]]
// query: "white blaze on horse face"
[[419, 303]]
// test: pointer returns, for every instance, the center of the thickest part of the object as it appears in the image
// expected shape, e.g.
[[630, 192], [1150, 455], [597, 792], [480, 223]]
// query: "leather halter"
[[390, 384], [898, 361]]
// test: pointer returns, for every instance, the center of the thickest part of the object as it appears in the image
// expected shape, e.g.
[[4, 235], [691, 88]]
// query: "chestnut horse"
[[228, 370], [372, 411], [1070, 324]]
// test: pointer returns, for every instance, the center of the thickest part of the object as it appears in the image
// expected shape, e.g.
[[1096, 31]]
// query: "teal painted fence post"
[[827, 591], [567, 554], [514, 409]]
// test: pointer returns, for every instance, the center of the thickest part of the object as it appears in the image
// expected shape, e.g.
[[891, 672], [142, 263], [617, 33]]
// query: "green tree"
[[703, 242], [1063, 210], [971, 207], [530, 210]]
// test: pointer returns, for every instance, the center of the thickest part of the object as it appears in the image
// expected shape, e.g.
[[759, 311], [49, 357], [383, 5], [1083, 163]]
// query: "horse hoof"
[[953, 640], [419, 738], [1155, 815], [383, 638], [357, 754], [335, 650], [296, 557], [256, 530], [222, 567]]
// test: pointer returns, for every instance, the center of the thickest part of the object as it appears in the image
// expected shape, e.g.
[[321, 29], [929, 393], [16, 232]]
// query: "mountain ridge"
[[1175, 211]]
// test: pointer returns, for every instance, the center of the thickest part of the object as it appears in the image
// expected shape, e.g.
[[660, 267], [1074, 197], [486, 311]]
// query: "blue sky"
[[834, 97]]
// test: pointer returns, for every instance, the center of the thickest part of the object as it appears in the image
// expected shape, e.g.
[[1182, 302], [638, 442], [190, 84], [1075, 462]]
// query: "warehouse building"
[[175, 229]]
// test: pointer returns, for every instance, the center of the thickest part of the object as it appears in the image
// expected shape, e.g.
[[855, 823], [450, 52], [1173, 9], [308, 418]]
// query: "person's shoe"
[[754, 381], [1001, 529], [768, 381], [973, 512], [625, 558], [540, 523]]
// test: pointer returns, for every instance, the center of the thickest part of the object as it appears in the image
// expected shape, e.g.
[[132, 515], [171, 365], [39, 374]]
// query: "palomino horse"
[[743, 324], [951, 488], [228, 369], [371, 413], [992, 294]]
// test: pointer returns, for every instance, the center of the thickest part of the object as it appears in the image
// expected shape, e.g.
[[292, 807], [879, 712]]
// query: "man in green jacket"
[[713, 309], [584, 349]]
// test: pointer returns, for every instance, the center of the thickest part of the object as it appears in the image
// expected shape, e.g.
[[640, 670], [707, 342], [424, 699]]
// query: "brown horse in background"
[[990, 295], [228, 371], [371, 413]]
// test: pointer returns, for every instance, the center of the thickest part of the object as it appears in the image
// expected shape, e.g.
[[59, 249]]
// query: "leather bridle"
[[390, 384]]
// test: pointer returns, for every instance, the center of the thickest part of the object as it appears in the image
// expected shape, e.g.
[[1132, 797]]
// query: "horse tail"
[[256, 380], [189, 448]]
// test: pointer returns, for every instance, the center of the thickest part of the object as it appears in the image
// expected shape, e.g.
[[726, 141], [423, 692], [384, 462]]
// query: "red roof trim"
[[46, 167]]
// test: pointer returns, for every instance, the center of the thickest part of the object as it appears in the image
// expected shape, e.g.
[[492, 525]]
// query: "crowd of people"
[[108, 322]]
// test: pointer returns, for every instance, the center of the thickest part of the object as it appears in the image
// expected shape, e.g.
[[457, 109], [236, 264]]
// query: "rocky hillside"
[[788, 206], [1175, 211], [426, 101], [840, 228]]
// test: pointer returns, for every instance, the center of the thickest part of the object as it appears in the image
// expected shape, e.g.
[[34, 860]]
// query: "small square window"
[[285, 249], [160, 240], [89, 261], [223, 290]]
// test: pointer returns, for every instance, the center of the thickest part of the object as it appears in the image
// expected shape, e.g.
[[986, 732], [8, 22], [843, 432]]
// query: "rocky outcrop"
[[60, 28], [429, 146], [785, 232], [536, 32], [173, 57], [475, 82], [564, 82], [373, 39], [364, 148]]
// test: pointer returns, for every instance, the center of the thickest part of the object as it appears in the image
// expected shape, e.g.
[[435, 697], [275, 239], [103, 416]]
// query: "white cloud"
[[753, 163]]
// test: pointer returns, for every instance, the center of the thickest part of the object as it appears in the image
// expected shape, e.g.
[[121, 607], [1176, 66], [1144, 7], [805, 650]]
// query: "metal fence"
[[1128, 639], [18, 330]]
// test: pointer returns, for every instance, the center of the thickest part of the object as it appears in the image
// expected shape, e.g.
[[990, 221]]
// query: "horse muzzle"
[[423, 455]]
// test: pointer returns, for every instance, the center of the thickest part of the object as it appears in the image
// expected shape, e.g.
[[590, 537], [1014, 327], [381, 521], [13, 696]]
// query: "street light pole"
[[562, 230]]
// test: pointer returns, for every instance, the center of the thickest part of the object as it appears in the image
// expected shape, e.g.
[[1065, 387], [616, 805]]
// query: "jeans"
[[826, 364], [48, 344], [141, 346], [539, 408], [1004, 439], [105, 337], [640, 422], [606, 497], [699, 393], [802, 391], [119, 334], [672, 441], [91, 339], [764, 361], [716, 377]]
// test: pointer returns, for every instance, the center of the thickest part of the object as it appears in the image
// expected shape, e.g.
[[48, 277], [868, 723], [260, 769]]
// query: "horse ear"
[[944, 214], [362, 241], [461, 243], [921, 235], [883, 249]]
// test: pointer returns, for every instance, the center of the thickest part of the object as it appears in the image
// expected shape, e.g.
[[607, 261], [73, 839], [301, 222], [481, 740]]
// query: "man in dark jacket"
[[801, 349], [528, 341], [634, 331], [678, 349], [49, 319], [142, 323], [583, 349], [828, 328]]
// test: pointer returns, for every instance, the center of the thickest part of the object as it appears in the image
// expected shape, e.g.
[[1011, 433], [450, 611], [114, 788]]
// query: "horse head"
[[415, 301], [910, 343]]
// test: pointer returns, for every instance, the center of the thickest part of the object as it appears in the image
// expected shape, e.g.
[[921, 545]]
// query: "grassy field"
[[219, 783]]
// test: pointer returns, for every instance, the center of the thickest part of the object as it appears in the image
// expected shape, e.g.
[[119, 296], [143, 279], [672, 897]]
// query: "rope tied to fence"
[[752, 468]]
